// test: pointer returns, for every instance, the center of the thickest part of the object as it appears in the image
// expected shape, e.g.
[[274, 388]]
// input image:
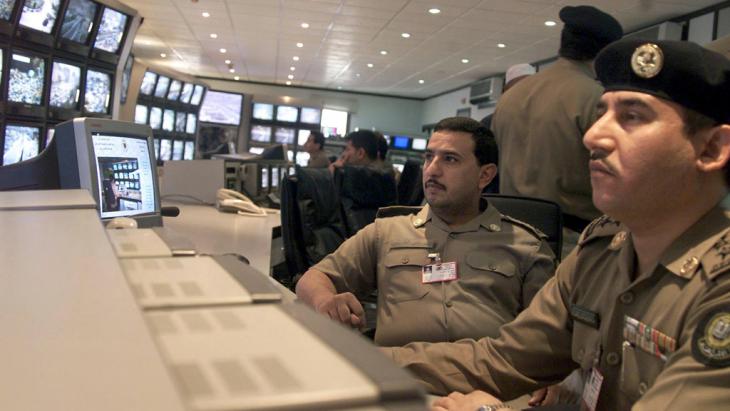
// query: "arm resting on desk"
[[318, 291]]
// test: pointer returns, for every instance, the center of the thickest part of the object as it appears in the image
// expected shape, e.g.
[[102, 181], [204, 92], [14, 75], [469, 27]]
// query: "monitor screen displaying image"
[[197, 95], [192, 124], [165, 149], [177, 149], [256, 150], [111, 30], [302, 158], [400, 142], [168, 120], [174, 92], [39, 14], [125, 175], [25, 82], [260, 133], [303, 136], [155, 118], [6, 9], [140, 114], [161, 88], [311, 115], [284, 135], [186, 93], [157, 148], [274, 177], [21, 143], [419, 144], [78, 20], [148, 83], [262, 111], [180, 121], [265, 178], [287, 113], [189, 150], [65, 85], [222, 108], [98, 91]]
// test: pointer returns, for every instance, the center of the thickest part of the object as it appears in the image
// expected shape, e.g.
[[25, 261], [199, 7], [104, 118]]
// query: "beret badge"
[[647, 60]]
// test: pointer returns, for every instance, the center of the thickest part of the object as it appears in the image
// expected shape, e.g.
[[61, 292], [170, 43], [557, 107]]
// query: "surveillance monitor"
[[419, 144], [189, 150], [191, 126], [284, 135], [177, 149], [289, 114], [222, 108], [155, 118], [168, 120], [174, 92], [98, 92], [148, 83], [161, 87], [165, 149], [197, 95], [187, 93], [140, 114], [263, 111], [65, 89], [275, 152], [180, 121], [78, 22], [21, 142], [111, 31], [26, 84], [311, 115], [40, 17]]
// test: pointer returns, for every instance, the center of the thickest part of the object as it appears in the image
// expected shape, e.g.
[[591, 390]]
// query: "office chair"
[[363, 190], [410, 185], [544, 215]]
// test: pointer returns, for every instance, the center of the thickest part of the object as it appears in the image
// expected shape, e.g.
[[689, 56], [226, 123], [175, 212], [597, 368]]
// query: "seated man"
[[456, 269], [362, 149], [315, 147], [643, 304]]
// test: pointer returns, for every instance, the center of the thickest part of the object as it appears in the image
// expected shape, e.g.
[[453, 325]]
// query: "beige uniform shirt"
[[318, 160], [501, 265], [661, 341], [539, 125]]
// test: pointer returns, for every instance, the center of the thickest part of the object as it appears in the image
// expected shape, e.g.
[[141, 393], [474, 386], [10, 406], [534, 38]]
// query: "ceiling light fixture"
[[501, 45], [292, 68], [405, 35], [421, 81], [465, 61], [370, 65], [300, 45], [550, 23], [222, 50], [231, 70], [339, 87], [163, 55], [305, 25], [434, 11], [236, 78], [383, 52], [228, 61], [205, 14], [357, 74], [288, 83], [290, 77], [295, 58], [213, 36]]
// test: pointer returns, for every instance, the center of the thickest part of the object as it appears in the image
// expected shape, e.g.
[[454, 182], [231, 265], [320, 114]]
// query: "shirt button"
[[449, 304], [627, 297], [494, 227], [689, 265], [643, 387], [404, 260], [417, 222], [612, 358]]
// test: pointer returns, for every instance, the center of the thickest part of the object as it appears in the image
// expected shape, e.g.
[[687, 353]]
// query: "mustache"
[[431, 181], [600, 155]]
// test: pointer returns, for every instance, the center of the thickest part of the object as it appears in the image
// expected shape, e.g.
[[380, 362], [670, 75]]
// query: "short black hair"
[[366, 140], [318, 138], [694, 122], [485, 146], [382, 145]]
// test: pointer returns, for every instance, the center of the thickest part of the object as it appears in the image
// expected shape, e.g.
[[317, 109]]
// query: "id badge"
[[589, 400], [436, 273]]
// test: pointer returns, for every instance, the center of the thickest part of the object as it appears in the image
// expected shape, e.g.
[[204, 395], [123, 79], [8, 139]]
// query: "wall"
[[434, 109]]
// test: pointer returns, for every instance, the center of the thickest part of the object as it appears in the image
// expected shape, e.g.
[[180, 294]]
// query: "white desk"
[[215, 232]]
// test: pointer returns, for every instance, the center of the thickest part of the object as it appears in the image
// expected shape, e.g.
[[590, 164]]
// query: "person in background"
[[361, 150], [642, 305], [315, 147]]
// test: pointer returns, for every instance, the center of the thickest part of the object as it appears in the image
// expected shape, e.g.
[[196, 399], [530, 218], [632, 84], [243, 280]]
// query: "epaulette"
[[717, 259], [603, 226], [529, 228], [395, 211]]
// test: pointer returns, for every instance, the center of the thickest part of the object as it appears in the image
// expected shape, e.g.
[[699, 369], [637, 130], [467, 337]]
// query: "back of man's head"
[[586, 31], [485, 146], [382, 145], [516, 73], [318, 138], [366, 140]]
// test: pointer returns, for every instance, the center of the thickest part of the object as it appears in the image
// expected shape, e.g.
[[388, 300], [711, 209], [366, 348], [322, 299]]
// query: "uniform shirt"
[[501, 264], [539, 126], [318, 160], [648, 336]]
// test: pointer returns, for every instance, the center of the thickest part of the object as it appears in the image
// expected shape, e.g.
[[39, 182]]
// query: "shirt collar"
[[490, 219]]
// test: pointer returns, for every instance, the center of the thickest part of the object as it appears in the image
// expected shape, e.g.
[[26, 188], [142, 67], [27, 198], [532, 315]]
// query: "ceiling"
[[445, 51]]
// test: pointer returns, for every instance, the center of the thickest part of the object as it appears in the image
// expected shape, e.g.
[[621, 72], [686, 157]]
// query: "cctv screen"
[[78, 20], [189, 150], [311, 115], [111, 30], [186, 93], [21, 143], [192, 124], [39, 14], [262, 134], [197, 95], [6, 9], [148, 83], [287, 113], [284, 135], [155, 118], [140, 114], [161, 87], [419, 144], [25, 83], [65, 85], [168, 120], [98, 91], [174, 92], [262, 111], [222, 108]]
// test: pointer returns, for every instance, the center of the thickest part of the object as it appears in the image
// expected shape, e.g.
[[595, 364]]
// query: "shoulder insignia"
[[603, 226], [717, 258], [529, 228], [395, 211], [711, 339]]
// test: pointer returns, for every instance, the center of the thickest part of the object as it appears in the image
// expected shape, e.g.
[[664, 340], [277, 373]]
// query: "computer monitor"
[[140, 114], [25, 82], [111, 30], [161, 87], [222, 108], [78, 20], [289, 114], [191, 126], [148, 83], [168, 120], [155, 118], [98, 91], [189, 150], [419, 144], [21, 142], [165, 149], [65, 86], [114, 160], [174, 92], [197, 95], [177, 149], [400, 142], [284, 135], [180, 121], [39, 14], [263, 111], [260, 133], [186, 93], [311, 115]]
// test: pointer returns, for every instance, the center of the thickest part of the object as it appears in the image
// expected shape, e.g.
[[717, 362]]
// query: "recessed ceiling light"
[[464, 61], [370, 65], [206, 14], [228, 61], [236, 78], [288, 83], [163, 55], [550, 23], [357, 74], [213, 36], [222, 50], [292, 68], [405, 35], [295, 58], [290, 77], [305, 25], [300, 45], [434, 11], [383, 52], [421, 81], [231, 70], [339, 87], [501, 45]]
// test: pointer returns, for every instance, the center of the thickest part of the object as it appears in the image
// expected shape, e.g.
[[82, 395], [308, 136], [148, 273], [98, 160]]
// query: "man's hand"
[[457, 401], [344, 308], [552, 395]]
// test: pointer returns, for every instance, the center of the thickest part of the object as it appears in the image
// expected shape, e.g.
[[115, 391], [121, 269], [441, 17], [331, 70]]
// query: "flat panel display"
[[168, 120], [148, 83], [65, 85], [419, 144], [311, 115], [263, 111], [165, 149], [302, 136], [191, 124], [161, 88], [189, 150], [111, 30], [98, 91], [197, 95], [39, 14], [177, 149], [180, 121], [6, 9], [260, 133], [222, 108], [140, 114], [25, 83], [155, 118], [186, 93], [287, 113], [174, 92], [78, 21], [284, 135], [125, 175], [400, 142], [21, 143]]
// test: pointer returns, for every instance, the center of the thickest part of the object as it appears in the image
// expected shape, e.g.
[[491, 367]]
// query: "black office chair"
[[410, 185], [544, 215], [311, 223], [363, 190]]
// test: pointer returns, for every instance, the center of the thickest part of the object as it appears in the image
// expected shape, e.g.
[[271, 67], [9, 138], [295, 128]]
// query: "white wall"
[[434, 109]]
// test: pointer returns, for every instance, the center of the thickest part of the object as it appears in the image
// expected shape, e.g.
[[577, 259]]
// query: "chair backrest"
[[410, 185], [362, 191], [544, 215], [311, 222]]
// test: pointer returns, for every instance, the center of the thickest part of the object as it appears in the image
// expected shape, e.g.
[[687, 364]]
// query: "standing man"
[[315, 147], [539, 124], [456, 269], [643, 304]]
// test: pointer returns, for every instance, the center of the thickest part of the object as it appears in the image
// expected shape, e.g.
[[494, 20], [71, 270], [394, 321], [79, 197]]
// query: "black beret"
[[586, 31], [680, 71]]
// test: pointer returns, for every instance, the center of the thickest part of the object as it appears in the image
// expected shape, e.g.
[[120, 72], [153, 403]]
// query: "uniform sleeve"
[[537, 274], [352, 267], [686, 383], [532, 351]]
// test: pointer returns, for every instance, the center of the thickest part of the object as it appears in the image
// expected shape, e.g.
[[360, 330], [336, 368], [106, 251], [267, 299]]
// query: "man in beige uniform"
[[642, 305], [315, 147], [499, 263]]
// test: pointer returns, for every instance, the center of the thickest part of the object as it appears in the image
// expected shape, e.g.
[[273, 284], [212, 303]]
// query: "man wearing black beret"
[[642, 305], [540, 122]]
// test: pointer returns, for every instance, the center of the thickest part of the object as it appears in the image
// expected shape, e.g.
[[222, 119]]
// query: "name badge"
[[589, 399], [436, 273]]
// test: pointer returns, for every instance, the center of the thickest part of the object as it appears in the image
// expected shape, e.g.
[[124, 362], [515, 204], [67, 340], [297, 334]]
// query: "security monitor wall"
[[21, 143]]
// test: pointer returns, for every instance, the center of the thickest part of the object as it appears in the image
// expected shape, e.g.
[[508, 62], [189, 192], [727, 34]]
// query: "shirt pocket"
[[403, 269], [487, 263], [586, 345], [639, 369], [489, 279]]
